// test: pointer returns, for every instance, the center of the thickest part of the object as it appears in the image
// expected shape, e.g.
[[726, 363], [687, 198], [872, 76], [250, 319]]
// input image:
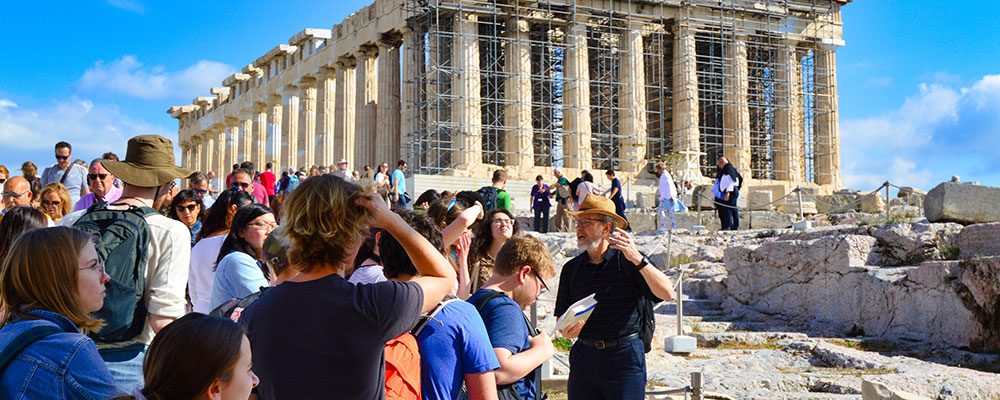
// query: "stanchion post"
[[798, 191], [697, 391], [886, 184]]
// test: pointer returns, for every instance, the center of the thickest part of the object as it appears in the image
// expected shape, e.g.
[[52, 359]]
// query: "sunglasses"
[[189, 208], [14, 195], [51, 203], [2, 181], [200, 192], [240, 185], [97, 176], [59, 157]]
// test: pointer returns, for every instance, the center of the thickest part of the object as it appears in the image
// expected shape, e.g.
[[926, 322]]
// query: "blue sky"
[[919, 83]]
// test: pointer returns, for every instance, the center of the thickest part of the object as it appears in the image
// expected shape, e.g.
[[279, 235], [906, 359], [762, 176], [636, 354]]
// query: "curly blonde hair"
[[323, 222]]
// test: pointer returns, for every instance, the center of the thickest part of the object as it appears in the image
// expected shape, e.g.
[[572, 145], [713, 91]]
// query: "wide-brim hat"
[[149, 162], [599, 205]]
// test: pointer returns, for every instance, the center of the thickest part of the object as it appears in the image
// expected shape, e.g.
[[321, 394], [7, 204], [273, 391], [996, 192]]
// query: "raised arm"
[[454, 230]]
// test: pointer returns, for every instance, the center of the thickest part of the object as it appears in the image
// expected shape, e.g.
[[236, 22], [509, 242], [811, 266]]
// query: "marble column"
[[387, 140], [576, 99], [307, 122], [827, 138], [245, 139], [736, 107], [185, 159], [231, 132], [196, 157], [258, 149], [207, 151], [685, 101], [344, 113], [466, 112], [218, 162], [365, 127], [274, 128], [290, 127], [517, 112], [413, 62], [326, 93], [632, 102], [788, 140]]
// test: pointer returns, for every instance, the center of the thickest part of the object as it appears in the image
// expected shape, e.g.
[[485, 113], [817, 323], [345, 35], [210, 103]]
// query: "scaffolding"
[[763, 96]]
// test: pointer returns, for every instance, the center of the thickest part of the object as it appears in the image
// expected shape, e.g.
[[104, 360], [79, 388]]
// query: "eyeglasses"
[[545, 288], [97, 176], [200, 192], [98, 266], [189, 208], [9, 195], [587, 222], [263, 225], [51, 203], [59, 157], [503, 221], [240, 185], [2, 181]]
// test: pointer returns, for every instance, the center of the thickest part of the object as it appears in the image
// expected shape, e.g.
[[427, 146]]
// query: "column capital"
[[289, 91], [230, 122], [323, 73], [253, 70], [305, 82], [366, 51], [346, 62], [271, 100]]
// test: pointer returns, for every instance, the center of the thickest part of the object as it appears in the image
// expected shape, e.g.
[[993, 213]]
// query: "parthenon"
[[463, 87]]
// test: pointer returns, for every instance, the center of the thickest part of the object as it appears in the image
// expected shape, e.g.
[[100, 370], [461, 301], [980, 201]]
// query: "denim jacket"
[[60, 366]]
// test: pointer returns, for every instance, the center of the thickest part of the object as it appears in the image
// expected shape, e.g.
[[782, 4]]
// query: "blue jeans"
[[666, 207], [542, 219], [729, 217], [125, 365], [610, 373], [401, 201]]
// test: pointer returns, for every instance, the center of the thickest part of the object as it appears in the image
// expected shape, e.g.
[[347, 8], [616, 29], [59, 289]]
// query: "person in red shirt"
[[267, 180]]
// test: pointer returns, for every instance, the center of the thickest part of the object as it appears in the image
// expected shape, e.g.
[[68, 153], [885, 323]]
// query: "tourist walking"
[[727, 191], [68, 173], [586, 187], [102, 187], [318, 335], [607, 361], [267, 179], [239, 271], [668, 194], [55, 201], [615, 194], [563, 221], [382, 185], [540, 204], [398, 189], [51, 282], [148, 172]]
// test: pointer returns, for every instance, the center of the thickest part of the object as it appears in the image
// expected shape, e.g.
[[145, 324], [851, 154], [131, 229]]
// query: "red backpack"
[[402, 368]]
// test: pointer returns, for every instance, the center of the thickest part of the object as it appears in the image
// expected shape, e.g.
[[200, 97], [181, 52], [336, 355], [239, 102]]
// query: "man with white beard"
[[608, 360]]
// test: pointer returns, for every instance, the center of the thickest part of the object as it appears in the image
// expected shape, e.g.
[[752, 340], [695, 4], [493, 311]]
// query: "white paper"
[[577, 312]]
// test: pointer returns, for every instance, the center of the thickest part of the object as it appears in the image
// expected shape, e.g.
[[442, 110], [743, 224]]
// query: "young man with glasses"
[[102, 187], [522, 266], [608, 360], [72, 176]]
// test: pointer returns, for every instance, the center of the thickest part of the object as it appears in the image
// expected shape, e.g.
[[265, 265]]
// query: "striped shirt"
[[619, 287]]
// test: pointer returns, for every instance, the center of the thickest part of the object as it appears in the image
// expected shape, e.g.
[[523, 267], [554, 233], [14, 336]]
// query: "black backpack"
[[489, 196], [122, 245], [572, 188], [233, 308]]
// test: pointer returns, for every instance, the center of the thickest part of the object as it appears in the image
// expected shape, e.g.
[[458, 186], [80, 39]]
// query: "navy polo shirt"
[[618, 286]]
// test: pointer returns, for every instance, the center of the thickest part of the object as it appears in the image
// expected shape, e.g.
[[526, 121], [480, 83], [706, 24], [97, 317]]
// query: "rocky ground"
[[750, 351]]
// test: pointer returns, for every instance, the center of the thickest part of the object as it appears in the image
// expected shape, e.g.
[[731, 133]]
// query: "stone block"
[[641, 220], [759, 200], [907, 191], [962, 203], [836, 203], [874, 204], [791, 206], [645, 200], [980, 240], [904, 211], [878, 391]]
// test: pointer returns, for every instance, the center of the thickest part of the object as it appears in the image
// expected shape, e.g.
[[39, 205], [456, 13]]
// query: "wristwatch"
[[642, 264]]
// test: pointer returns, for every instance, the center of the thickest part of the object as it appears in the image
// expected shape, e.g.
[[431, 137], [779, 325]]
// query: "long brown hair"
[[188, 355], [41, 271], [482, 235]]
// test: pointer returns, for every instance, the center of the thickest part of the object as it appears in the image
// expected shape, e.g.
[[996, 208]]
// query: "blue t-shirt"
[[398, 175], [451, 345], [76, 179], [237, 276], [505, 324]]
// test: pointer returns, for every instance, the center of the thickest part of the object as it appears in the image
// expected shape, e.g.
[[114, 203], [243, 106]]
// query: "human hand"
[[462, 247], [381, 215], [482, 209], [573, 331], [622, 240], [543, 342], [725, 196]]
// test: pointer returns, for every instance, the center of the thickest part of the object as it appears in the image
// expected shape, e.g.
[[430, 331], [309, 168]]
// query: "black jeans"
[[542, 219], [729, 216], [611, 373]]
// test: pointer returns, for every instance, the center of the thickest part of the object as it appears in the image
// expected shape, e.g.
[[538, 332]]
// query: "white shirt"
[[667, 189], [726, 184], [201, 276]]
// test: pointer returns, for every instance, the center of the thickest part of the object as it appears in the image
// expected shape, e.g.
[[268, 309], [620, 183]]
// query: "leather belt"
[[604, 344]]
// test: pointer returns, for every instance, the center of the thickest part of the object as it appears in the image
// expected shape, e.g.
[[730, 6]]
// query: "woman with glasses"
[[55, 201], [239, 271], [205, 252], [186, 207], [488, 237], [50, 283]]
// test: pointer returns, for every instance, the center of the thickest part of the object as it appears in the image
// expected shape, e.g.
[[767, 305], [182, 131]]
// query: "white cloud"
[[938, 132], [4, 103], [129, 5], [128, 76], [91, 128]]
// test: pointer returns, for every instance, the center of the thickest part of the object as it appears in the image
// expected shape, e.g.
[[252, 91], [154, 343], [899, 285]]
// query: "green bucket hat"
[[149, 162]]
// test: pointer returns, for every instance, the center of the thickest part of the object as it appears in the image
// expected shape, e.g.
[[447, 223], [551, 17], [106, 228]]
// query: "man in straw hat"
[[608, 360], [148, 172]]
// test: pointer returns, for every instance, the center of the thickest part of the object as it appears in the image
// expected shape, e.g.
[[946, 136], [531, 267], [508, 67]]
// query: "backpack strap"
[[22, 341], [424, 319]]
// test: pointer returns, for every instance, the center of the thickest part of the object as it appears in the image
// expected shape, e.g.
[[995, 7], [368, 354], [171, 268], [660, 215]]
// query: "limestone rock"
[[878, 391], [759, 200], [791, 206], [963, 203], [980, 240], [645, 200], [904, 211], [641, 220], [706, 199], [907, 191], [873, 204], [839, 202]]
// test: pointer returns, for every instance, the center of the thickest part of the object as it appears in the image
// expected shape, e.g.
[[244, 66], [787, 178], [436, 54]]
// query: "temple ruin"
[[460, 88]]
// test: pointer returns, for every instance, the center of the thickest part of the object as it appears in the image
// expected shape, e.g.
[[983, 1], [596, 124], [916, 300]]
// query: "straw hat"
[[149, 162], [599, 205]]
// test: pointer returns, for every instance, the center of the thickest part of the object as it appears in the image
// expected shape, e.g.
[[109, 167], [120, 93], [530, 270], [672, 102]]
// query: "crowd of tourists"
[[324, 284]]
